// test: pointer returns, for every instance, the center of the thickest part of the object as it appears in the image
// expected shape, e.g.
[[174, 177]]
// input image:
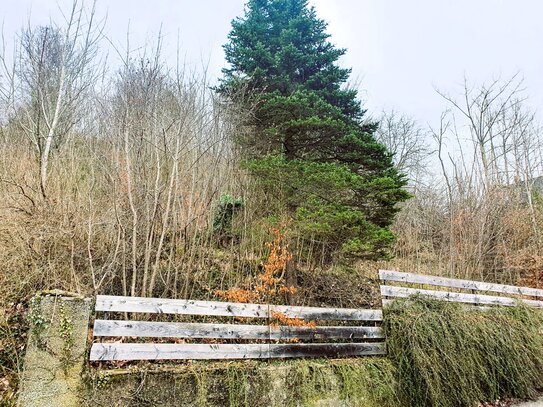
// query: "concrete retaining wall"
[[56, 352]]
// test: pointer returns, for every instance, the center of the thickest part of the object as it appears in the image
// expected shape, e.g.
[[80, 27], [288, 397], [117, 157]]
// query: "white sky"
[[399, 49]]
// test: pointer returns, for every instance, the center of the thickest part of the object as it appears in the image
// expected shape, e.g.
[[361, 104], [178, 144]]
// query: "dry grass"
[[490, 237]]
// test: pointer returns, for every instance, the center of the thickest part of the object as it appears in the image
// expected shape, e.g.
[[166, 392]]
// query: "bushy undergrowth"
[[448, 355], [13, 334]]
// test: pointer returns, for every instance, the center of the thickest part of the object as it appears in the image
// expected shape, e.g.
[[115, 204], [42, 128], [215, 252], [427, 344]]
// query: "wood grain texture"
[[162, 351], [387, 275], [394, 291], [467, 306], [229, 331], [219, 308]]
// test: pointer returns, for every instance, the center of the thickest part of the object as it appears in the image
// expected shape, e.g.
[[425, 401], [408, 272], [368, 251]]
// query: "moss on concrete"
[[53, 374], [55, 352], [364, 382]]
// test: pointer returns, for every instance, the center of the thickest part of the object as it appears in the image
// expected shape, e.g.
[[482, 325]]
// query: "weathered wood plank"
[[394, 291], [161, 351], [386, 302], [387, 275], [229, 331], [219, 308], [469, 307]]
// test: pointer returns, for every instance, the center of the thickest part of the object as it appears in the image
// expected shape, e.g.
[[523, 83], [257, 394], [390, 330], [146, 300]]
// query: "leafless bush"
[[127, 205], [52, 71], [407, 142], [481, 216]]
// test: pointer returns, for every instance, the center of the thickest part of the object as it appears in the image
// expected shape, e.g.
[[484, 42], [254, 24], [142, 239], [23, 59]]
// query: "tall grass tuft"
[[448, 355]]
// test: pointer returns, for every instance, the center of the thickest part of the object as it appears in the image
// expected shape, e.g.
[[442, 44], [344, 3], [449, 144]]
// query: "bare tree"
[[489, 115], [52, 72], [489, 150], [407, 142], [169, 157]]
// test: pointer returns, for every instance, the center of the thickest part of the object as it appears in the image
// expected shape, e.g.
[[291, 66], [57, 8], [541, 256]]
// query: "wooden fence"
[[365, 330], [357, 332], [509, 294]]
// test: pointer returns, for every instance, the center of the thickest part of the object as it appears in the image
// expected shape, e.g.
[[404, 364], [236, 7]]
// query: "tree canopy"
[[309, 141]]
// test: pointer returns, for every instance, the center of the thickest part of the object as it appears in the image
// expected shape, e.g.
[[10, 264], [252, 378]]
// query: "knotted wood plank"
[[219, 308], [394, 291], [229, 331], [387, 275], [169, 351]]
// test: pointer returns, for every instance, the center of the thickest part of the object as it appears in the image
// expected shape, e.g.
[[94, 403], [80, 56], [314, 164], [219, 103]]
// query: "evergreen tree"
[[309, 145]]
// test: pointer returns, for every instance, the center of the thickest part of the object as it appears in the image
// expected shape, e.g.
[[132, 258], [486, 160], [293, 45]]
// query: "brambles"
[[531, 267]]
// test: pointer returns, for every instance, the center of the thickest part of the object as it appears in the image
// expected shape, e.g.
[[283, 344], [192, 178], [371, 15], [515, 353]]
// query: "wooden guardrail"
[[366, 330], [358, 332], [510, 294]]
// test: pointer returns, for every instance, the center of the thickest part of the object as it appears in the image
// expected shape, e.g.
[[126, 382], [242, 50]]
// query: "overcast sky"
[[400, 50]]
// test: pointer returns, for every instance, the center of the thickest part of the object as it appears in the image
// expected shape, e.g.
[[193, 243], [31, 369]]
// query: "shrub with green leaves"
[[224, 215]]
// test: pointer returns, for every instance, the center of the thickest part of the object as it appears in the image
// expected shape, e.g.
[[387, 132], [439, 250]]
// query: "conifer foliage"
[[309, 145]]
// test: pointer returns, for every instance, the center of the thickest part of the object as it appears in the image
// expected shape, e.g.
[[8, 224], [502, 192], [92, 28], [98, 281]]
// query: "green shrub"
[[325, 210], [224, 215], [449, 355]]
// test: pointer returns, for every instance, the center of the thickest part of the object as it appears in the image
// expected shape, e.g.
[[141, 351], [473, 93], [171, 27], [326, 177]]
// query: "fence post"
[[55, 351]]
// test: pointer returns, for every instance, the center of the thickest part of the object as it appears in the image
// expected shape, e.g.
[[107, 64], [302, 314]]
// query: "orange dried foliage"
[[532, 270], [289, 321], [237, 295], [288, 290], [270, 282]]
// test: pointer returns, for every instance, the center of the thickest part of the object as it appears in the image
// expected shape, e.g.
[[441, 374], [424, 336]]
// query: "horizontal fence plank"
[[469, 307], [387, 275], [386, 302], [394, 291], [219, 308], [169, 351], [229, 331]]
